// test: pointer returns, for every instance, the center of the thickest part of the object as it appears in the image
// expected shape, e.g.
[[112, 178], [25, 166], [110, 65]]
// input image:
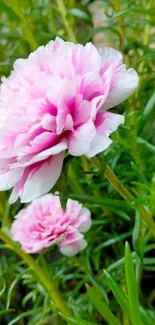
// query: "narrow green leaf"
[[102, 308], [8, 10], [2, 285], [99, 200], [76, 321], [13, 284], [113, 240], [145, 143], [5, 311], [152, 197], [79, 13], [119, 294], [146, 317], [147, 111], [25, 314], [123, 300], [62, 184], [132, 287], [138, 173], [136, 236], [9, 36], [98, 286]]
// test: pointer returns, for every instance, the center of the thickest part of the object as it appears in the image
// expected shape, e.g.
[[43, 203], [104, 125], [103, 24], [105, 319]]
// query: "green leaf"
[[145, 143], [2, 285], [25, 314], [146, 317], [138, 173], [102, 308], [16, 8], [147, 111], [99, 200], [9, 36], [13, 284], [8, 10], [136, 236], [80, 13], [123, 300], [132, 287], [62, 184], [76, 321], [152, 196], [119, 294], [113, 240], [5, 311], [98, 286]]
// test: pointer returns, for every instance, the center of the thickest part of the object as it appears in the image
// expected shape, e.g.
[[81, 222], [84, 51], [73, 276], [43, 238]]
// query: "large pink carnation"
[[56, 100], [44, 223]]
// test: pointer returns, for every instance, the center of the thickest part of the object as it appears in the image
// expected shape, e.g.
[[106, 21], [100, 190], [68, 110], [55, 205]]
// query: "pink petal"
[[124, 82], [82, 113], [43, 140], [109, 56], [54, 150], [79, 141], [74, 248], [61, 146], [123, 89], [91, 86], [10, 178], [41, 181], [13, 152], [66, 102], [86, 58], [84, 220], [98, 144], [49, 122], [106, 122]]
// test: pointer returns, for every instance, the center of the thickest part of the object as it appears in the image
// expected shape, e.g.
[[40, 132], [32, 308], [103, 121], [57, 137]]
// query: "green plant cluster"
[[113, 280]]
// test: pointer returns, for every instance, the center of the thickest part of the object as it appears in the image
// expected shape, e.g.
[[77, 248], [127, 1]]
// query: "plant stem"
[[15, 5], [120, 188], [63, 12], [112, 178], [39, 272]]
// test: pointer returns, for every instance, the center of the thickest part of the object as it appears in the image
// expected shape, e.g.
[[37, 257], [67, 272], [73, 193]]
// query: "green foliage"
[[124, 293], [129, 302]]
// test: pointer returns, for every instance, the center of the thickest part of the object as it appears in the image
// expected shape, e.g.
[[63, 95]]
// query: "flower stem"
[[63, 12], [121, 189], [39, 272], [15, 5]]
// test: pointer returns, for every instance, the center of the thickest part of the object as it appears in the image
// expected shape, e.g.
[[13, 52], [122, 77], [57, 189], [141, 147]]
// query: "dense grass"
[[112, 297]]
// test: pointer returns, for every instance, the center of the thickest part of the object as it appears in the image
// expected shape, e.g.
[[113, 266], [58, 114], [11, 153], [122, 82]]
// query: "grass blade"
[[123, 300], [119, 294], [136, 236], [146, 317], [5, 311], [132, 287], [102, 308], [76, 321]]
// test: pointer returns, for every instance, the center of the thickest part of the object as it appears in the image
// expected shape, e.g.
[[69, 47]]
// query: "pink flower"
[[56, 100], [44, 223]]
